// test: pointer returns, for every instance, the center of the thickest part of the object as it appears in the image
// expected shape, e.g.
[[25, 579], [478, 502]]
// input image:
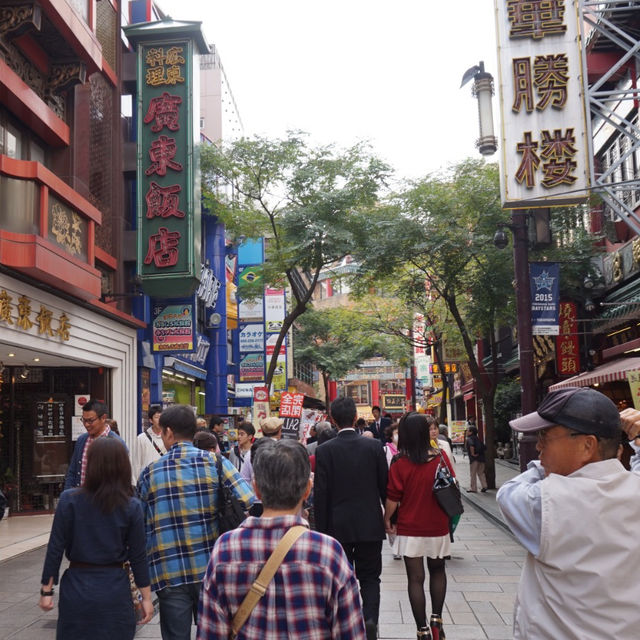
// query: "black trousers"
[[366, 559]]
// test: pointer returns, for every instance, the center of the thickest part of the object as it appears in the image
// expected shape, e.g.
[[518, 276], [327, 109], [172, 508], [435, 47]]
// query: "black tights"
[[437, 587]]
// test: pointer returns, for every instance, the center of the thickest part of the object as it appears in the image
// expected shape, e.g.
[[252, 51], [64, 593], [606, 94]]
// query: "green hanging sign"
[[168, 171]]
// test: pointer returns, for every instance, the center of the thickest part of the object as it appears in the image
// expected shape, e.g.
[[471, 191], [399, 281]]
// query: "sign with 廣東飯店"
[[168, 173], [544, 144]]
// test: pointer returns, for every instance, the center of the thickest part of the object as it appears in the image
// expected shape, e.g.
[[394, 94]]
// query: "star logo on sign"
[[544, 281]]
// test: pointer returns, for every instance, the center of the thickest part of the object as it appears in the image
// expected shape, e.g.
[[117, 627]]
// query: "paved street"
[[483, 576]]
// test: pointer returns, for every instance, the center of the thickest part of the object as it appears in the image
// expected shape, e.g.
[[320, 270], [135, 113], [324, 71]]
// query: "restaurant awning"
[[609, 372]]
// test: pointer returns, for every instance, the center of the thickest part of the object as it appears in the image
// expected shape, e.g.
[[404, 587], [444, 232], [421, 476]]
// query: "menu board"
[[50, 420], [51, 450]]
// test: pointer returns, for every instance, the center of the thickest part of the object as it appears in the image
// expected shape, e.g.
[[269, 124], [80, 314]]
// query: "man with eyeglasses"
[[576, 511], [94, 417]]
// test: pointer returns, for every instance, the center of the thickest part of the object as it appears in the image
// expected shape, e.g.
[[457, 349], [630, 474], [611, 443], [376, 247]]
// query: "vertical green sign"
[[168, 175]]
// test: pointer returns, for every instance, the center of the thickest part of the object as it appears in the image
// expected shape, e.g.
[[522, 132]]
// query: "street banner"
[[544, 280], [567, 342]]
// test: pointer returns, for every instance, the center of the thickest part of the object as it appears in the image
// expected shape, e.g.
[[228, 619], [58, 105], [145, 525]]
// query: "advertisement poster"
[[260, 406], [291, 404], [274, 309], [251, 338], [307, 420], [252, 367], [270, 345], [250, 310], [279, 380], [456, 431], [544, 279], [174, 326]]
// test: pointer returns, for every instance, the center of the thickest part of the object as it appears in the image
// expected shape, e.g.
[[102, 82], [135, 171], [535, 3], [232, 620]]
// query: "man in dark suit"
[[376, 427], [350, 485]]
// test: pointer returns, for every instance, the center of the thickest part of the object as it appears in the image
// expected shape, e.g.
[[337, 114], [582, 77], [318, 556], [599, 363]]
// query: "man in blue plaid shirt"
[[179, 494], [314, 593]]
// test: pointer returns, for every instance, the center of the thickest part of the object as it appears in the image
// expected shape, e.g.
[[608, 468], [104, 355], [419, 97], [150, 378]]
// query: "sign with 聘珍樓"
[[543, 140]]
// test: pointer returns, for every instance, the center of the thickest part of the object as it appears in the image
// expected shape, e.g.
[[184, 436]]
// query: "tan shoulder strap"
[[259, 586]]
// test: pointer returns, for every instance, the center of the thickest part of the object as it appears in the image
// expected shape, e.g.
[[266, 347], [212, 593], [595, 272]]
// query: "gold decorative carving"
[[66, 228], [18, 19], [635, 250], [65, 75], [616, 267]]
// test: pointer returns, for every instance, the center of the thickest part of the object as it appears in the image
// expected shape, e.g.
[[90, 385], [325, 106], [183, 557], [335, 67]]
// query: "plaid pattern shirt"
[[179, 494], [85, 451], [313, 595]]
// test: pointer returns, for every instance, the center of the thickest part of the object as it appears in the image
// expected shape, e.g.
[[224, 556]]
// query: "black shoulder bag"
[[230, 512], [447, 491]]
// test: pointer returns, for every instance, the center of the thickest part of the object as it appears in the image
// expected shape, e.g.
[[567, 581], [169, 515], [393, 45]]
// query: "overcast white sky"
[[347, 70]]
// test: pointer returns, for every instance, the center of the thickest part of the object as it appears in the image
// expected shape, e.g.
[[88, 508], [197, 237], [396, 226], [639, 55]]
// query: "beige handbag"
[[260, 584]]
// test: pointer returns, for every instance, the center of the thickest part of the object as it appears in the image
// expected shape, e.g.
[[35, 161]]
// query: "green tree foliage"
[[307, 202], [337, 340]]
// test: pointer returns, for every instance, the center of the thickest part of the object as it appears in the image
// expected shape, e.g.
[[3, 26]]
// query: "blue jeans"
[[178, 609]]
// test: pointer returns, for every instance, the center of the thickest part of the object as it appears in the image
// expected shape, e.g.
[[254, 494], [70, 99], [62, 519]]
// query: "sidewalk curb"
[[486, 513]]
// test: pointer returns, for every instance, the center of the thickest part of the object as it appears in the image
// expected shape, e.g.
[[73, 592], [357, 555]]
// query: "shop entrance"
[[36, 409]]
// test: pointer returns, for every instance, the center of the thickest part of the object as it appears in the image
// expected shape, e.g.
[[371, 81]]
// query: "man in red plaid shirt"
[[314, 593]]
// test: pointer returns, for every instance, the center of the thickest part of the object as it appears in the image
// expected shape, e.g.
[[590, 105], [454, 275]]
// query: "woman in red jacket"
[[422, 527]]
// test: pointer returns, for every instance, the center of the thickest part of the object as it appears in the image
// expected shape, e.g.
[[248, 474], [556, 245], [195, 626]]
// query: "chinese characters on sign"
[[567, 343], [168, 197], [544, 151], [291, 411], [43, 317]]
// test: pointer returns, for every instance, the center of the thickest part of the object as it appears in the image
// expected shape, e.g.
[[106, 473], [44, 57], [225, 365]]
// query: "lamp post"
[[520, 228], [519, 218], [487, 144]]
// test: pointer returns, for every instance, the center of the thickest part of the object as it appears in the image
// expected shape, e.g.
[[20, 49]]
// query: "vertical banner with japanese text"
[[168, 172], [544, 278], [567, 342], [544, 146]]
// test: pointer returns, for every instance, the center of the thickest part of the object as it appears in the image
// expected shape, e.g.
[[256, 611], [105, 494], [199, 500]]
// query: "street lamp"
[[482, 89], [520, 228]]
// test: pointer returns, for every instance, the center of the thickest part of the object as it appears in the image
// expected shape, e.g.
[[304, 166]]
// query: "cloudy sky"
[[348, 70]]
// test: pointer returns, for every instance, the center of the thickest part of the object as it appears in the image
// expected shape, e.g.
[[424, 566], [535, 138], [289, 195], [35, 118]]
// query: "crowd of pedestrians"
[[275, 576]]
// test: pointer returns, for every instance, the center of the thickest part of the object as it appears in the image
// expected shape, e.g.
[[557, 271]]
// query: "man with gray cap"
[[576, 511]]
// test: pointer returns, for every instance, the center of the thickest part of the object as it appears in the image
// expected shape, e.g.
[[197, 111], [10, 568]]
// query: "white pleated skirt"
[[419, 547]]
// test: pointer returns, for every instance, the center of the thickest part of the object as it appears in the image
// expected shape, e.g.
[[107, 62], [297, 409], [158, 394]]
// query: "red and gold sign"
[[567, 342]]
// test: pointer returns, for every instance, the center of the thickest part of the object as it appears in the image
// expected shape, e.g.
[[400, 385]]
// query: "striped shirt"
[[85, 451], [313, 595], [179, 494]]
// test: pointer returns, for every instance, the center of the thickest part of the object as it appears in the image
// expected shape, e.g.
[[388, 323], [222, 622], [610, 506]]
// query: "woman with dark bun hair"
[[422, 527], [98, 526]]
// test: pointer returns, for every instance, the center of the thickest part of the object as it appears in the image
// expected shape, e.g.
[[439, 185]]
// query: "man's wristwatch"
[[46, 593]]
